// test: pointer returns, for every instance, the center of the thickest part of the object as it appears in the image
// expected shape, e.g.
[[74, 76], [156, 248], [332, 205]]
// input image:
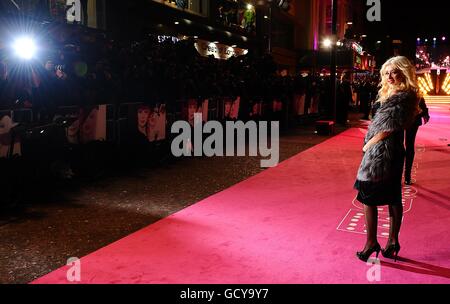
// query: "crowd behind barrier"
[[90, 101]]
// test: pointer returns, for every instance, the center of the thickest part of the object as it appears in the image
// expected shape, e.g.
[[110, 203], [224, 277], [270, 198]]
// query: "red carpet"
[[292, 224]]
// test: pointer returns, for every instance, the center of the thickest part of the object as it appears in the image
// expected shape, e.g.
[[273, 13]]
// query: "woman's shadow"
[[418, 267]]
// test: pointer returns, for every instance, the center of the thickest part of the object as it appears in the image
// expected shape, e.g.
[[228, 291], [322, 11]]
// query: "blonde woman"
[[379, 180]]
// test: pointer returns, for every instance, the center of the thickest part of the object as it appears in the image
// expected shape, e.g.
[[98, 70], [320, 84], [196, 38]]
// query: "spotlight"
[[25, 48]]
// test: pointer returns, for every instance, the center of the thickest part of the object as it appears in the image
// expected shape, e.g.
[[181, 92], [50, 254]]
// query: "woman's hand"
[[366, 148], [376, 139]]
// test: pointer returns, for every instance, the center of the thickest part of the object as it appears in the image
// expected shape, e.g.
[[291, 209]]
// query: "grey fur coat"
[[384, 160]]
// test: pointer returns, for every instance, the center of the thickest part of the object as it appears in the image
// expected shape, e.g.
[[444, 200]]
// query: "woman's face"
[[152, 121], [393, 76], [143, 114]]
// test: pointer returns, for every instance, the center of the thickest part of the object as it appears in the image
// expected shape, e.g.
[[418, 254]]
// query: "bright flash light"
[[249, 6], [25, 48]]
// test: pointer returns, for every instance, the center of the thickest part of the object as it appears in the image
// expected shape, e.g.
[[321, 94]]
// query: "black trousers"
[[410, 140]]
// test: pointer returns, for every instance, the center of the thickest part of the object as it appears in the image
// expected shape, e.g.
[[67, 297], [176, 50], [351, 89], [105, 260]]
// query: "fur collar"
[[398, 98]]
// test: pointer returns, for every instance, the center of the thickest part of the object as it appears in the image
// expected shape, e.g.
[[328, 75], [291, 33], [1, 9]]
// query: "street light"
[[327, 43]]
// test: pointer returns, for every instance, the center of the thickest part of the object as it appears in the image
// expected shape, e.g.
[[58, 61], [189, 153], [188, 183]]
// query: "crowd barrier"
[[81, 130]]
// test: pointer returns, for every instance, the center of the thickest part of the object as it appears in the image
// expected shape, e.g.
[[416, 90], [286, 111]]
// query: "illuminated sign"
[[219, 51]]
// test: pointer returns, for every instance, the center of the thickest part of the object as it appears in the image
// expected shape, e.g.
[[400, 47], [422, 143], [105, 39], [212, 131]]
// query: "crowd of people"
[[81, 67], [77, 66]]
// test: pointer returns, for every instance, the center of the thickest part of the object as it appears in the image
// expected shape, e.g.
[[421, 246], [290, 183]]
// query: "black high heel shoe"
[[391, 252], [364, 256]]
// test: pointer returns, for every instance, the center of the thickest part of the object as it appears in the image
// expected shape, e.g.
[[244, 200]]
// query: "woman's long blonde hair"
[[409, 82]]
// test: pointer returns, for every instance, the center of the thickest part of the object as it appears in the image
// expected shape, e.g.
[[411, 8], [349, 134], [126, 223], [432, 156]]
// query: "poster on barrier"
[[151, 122], [6, 139], [314, 106], [195, 106], [88, 123], [277, 106], [231, 108], [157, 123], [299, 104], [255, 109]]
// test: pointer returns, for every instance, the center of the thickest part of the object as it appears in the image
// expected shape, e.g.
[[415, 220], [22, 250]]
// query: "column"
[[92, 13]]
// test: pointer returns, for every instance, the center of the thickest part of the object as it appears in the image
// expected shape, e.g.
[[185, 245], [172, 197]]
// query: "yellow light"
[[327, 43], [429, 81]]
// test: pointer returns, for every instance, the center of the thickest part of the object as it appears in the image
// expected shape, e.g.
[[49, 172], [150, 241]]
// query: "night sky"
[[406, 21], [410, 19]]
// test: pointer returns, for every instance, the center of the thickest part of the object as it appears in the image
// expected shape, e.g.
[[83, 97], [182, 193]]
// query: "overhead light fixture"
[[176, 22], [350, 23]]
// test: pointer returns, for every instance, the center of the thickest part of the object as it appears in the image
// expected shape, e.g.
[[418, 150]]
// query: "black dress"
[[379, 180]]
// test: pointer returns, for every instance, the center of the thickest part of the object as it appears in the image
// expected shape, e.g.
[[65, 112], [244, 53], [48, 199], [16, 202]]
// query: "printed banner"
[[151, 121], [299, 104], [231, 108], [89, 123], [195, 106], [6, 139], [256, 109]]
